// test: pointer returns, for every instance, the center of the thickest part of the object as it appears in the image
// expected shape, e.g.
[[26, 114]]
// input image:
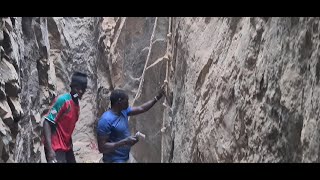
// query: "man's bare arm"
[[105, 146], [146, 106]]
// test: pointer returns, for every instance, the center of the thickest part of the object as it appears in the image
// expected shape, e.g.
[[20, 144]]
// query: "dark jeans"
[[117, 161], [63, 156]]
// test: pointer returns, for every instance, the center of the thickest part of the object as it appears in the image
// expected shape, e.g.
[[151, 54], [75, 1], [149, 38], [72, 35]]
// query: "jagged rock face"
[[245, 90], [36, 88], [10, 108]]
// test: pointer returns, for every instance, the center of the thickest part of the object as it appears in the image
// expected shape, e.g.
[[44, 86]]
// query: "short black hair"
[[79, 79], [117, 95]]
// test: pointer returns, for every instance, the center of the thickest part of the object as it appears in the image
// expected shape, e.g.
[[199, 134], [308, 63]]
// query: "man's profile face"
[[125, 103], [80, 91]]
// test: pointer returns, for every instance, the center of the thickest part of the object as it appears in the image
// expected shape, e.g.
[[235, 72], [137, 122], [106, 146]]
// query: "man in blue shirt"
[[113, 133]]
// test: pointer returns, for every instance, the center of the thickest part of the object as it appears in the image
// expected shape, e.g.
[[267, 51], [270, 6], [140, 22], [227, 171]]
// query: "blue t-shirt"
[[117, 127]]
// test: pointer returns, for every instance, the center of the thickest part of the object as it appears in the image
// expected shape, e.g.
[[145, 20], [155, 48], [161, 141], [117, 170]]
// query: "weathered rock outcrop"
[[10, 91], [245, 91]]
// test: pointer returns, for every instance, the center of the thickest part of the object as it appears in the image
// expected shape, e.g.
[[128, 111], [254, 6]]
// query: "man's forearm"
[[47, 134], [146, 106], [110, 147]]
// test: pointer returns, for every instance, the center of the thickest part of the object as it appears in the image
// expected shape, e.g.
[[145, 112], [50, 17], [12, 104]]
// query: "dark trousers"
[[63, 156]]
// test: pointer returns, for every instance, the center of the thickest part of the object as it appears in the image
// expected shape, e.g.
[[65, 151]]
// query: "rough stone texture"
[[128, 52], [105, 84], [245, 90], [33, 47], [150, 123], [10, 108]]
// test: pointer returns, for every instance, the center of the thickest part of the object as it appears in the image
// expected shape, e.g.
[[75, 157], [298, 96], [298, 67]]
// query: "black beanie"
[[79, 79]]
